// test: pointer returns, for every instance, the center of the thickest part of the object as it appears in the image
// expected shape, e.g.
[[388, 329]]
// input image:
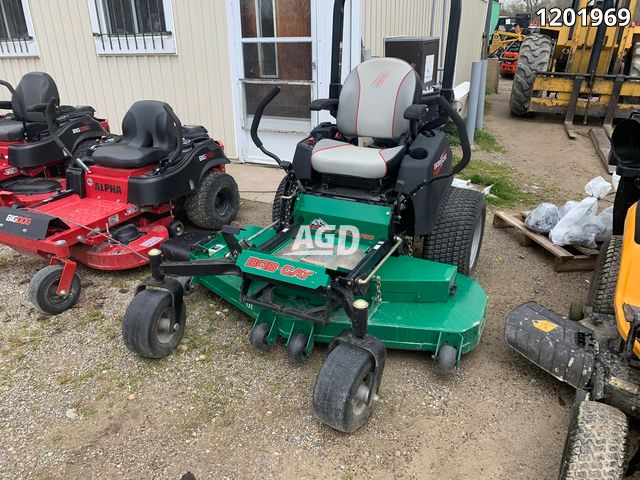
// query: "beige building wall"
[[196, 81], [384, 18]]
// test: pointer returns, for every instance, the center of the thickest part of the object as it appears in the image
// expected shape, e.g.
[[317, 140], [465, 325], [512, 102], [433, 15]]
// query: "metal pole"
[[481, 96], [472, 103]]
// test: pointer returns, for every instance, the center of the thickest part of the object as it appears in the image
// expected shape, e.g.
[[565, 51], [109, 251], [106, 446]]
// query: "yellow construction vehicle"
[[589, 68]]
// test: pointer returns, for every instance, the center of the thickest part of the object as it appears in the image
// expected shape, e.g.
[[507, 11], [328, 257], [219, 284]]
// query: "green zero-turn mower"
[[358, 283]]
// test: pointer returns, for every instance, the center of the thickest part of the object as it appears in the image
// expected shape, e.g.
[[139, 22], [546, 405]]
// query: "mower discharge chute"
[[338, 264], [32, 165], [119, 200]]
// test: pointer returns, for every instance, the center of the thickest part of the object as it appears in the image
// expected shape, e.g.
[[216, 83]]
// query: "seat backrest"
[[375, 96], [34, 88], [147, 124]]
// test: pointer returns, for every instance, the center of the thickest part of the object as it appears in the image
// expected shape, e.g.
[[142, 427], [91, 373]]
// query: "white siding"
[[196, 81], [384, 18]]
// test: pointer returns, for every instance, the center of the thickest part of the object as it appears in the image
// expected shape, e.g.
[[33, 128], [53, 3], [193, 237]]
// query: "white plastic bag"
[[598, 187], [605, 223], [543, 218], [566, 208], [576, 227]]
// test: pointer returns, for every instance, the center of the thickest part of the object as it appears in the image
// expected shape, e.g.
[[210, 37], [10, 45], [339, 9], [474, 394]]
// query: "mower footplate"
[[557, 345]]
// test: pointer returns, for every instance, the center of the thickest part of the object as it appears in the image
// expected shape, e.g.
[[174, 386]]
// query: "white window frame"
[[21, 48], [259, 35], [137, 44]]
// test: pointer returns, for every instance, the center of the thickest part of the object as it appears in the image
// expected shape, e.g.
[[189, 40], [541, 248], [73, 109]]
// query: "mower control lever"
[[49, 114], [257, 117]]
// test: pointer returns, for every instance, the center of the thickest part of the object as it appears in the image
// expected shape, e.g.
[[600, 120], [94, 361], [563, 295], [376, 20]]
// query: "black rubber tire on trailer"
[[215, 202], [341, 386], [42, 291], [596, 443], [535, 53], [149, 328], [285, 188], [605, 276], [456, 238]]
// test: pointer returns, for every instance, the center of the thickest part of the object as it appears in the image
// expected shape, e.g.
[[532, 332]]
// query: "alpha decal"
[[272, 267], [107, 187]]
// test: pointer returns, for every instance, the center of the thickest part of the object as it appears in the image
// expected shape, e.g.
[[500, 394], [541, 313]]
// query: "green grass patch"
[[453, 138], [487, 106], [506, 192], [488, 142]]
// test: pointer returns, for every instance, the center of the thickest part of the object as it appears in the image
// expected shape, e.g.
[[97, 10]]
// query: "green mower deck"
[[421, 306]]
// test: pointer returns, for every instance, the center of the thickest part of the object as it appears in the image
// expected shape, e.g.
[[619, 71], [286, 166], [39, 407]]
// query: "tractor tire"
[[341, 387], [149, 329], [215, 202], [83, 148], [605, 276], [456, 238], [535, 54], [285, 189], [596, 445], [42, 291]]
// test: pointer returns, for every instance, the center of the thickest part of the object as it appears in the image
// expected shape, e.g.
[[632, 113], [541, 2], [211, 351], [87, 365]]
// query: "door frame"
[[321, 27]]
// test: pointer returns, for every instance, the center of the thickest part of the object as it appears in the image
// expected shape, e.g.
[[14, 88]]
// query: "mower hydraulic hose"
[[367, 279]]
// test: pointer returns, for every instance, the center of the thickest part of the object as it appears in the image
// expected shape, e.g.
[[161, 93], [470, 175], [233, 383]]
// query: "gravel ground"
[[74, 403]]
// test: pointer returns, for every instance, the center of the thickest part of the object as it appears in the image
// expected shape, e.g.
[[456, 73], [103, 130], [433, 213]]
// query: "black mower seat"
[[148, 136], [31, 186], [11, 130]]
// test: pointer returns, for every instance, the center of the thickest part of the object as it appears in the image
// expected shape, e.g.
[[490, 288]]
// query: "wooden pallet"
[[567, 259]]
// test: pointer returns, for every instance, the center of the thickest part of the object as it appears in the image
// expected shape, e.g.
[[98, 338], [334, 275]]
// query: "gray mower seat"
[[148, 137], [372, 104], [341, 158], [11, 130]]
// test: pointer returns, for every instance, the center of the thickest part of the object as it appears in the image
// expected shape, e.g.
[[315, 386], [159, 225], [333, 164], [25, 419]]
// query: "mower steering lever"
[[49, 114]]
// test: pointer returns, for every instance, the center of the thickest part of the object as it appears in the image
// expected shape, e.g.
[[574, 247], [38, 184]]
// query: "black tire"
[[447, 359], [176, 228], [535, 54], [456, 238], [285, 188], [42, 291], [149, 328], [596, 445], [296, 347], [605, 277], [83, 147], [258, 337], [341, 387], [215, 202]]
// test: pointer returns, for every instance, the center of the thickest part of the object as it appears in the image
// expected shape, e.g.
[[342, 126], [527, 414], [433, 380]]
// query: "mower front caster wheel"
[[446, 359], [151, 328], [296, 348], [176, 228], [43, 287], [258, 337], [342, 397]]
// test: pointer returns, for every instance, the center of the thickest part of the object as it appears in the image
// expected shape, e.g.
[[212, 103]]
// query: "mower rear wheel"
[[150, 327], [446, 359], [285, 189], [535, 53], [296, 348], [596, 445], [42, 291], [342, 396], [215, 202], [258, 337], [456, 238], [605, 277]]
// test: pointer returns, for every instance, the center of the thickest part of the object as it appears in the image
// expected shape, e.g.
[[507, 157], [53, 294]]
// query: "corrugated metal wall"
[[383, 18], [196, 82]]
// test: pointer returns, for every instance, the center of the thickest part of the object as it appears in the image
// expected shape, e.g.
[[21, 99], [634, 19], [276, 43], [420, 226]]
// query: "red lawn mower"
[[32, 165], [120, 200]]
